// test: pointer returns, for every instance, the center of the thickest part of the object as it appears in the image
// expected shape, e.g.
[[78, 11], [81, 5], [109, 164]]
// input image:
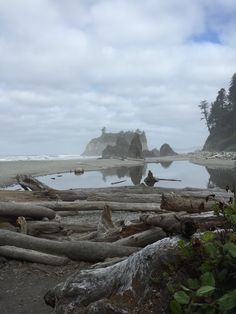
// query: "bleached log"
[[81, 250], [99, 205], [32, 256], [123, 286], [143, 238], [12, 209], [125, 197]]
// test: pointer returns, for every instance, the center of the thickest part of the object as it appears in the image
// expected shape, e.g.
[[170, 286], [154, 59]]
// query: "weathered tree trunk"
[[175, 203], [143, 238], [32, 256], [12, 209], [119, 288], [81, 250]]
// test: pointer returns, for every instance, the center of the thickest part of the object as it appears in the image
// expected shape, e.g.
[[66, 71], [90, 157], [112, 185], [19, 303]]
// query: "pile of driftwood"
[[33, 228]]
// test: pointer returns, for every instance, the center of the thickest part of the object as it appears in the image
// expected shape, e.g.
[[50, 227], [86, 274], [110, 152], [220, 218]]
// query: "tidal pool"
[[191, 175]]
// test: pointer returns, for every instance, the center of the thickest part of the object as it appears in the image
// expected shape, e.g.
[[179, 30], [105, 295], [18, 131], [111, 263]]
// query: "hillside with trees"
[[220, 118]]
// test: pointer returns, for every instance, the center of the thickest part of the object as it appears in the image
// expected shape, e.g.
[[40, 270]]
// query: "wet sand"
[[9, 169], [214, 163]]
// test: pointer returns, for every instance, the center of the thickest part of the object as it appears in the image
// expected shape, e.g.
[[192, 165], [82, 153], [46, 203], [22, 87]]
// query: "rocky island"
[[96, 146]]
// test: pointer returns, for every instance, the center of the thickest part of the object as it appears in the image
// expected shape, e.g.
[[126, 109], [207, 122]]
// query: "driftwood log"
[[32, 256], [122, 288], [143, 238], [125, 197], [99, 205], [183, 222], [81, 250], [13, 209], [175, 203], [30, 183]]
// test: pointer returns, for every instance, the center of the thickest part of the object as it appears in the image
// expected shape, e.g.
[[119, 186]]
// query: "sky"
[[68, 68]]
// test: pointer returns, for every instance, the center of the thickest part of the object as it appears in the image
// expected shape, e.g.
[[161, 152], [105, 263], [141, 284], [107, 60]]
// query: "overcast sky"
[[68, 68]]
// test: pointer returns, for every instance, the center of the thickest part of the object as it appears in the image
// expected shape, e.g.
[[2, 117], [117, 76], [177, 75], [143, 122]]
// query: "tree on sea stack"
[[135, 149], [104, 130]]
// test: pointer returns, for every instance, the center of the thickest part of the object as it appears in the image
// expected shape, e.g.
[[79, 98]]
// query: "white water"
[[42, 157]]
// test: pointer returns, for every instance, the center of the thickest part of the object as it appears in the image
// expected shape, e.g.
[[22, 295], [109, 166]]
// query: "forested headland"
[[220, 118]]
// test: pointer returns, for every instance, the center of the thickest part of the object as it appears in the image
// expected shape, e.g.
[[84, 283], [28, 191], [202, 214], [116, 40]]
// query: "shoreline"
[[9, 169]]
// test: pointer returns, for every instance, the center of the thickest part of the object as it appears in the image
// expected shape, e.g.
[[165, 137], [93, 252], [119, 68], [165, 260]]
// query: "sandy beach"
[[9, 169]]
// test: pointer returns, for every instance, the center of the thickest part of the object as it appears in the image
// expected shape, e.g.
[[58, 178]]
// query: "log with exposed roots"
[[121, 288]]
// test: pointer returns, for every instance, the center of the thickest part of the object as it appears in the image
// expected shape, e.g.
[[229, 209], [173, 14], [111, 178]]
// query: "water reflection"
[[134, 173], [166, 164], [191, 175], [222, 178]]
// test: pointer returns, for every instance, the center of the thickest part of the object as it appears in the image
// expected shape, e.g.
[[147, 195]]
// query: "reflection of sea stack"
[[166, 150], [166, 164], [136, 174]]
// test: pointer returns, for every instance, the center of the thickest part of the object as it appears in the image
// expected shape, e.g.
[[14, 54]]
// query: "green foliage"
[[181, 297], [220, 118], [212, 264]]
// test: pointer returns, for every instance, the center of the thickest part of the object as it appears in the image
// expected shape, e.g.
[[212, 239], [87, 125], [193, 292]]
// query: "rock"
[[135, 149], [120, 150], [79, 171], [150, 180], [151, 153], [166, 150], [96, 146]]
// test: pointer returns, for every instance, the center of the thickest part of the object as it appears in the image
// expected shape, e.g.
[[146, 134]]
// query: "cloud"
[[70, 67]]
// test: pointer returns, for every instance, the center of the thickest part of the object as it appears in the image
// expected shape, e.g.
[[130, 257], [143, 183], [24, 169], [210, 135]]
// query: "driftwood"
[[12, 209], [125, 197], [81, 250], [172, 224], [143, 238], [99, 205], [36, 228], [32, 256], [183, 222], [29, 182], [122, 288], [173, 202]]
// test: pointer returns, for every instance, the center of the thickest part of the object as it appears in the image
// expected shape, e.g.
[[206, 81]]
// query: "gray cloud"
[[70, 67]]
